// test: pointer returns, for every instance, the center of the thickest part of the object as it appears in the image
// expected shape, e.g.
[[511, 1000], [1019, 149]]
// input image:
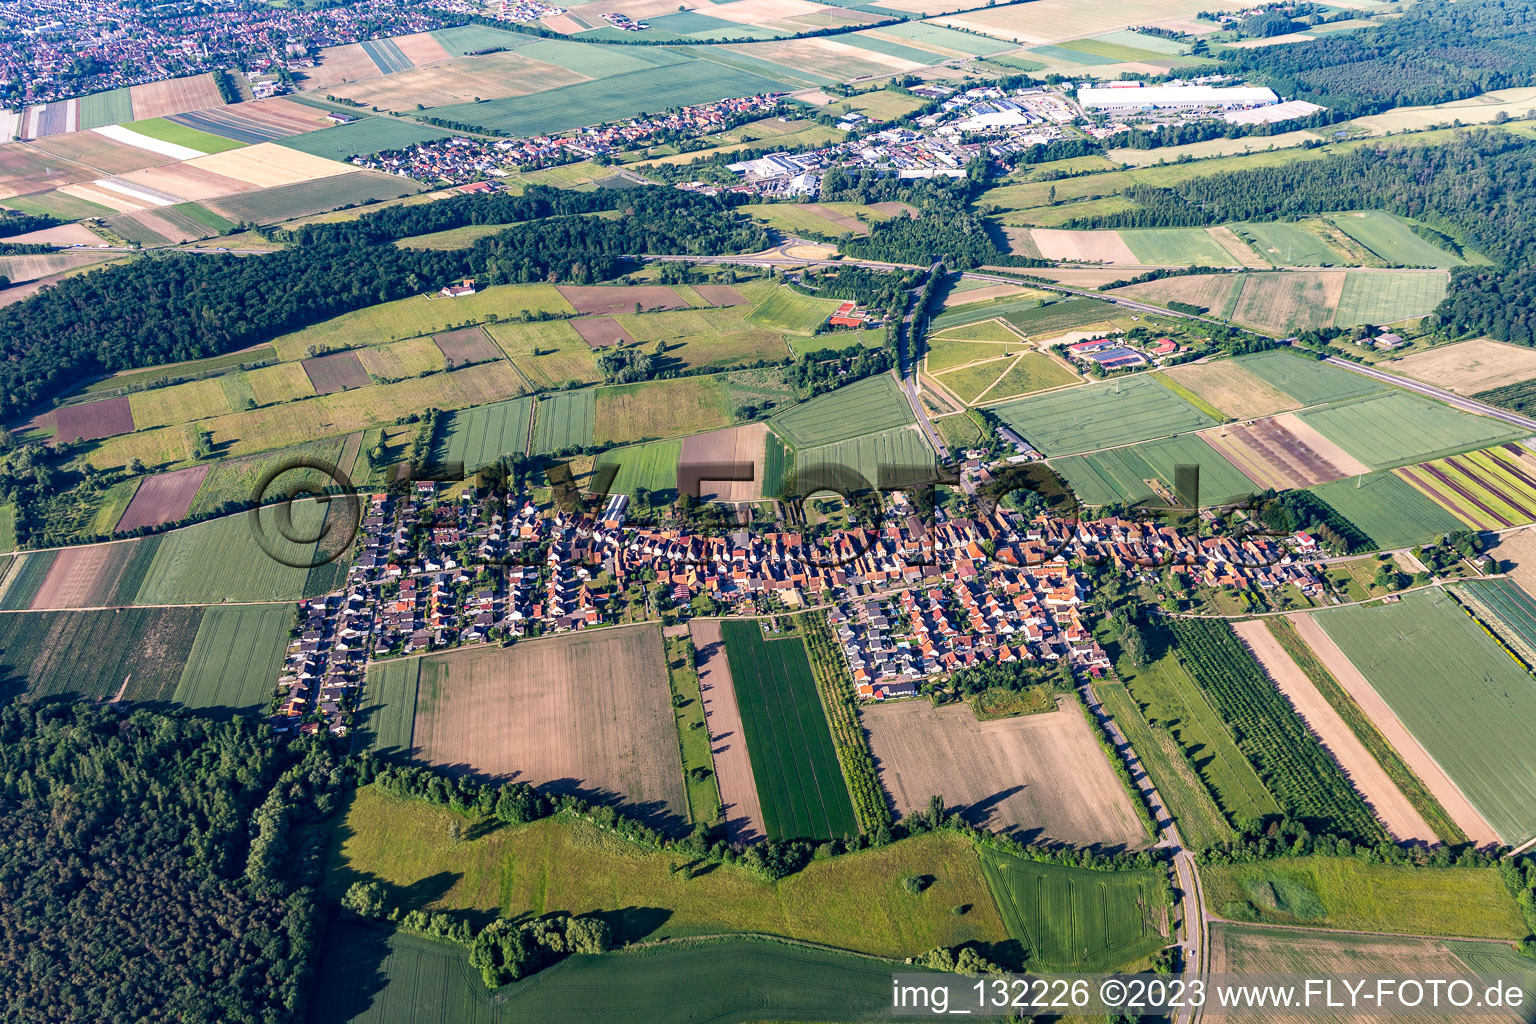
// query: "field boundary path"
[[1194, 945]]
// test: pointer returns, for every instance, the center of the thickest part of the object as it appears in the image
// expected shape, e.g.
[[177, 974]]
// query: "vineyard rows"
[[1300, 774]]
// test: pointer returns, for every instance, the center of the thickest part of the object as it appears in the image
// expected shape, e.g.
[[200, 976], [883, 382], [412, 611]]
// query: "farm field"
[[566, 864], [1029, 373], [652, 466], [550, 354], [1100, 415], [236, 480], [660, 408], [85, 576], [386, 717], [867, 406], [1294, 767], [1393, 239], [944, 353], [1308, 381], [1470, 367], [482, 435], [1507, 609], [741, 810], [1384, 297], [1073, 918], [1342, 892], [1163, 692], [236, 658], [585, 713], [1287, 302], [744, 445], [90, 420], [339, 372], [971, 384], [1291, 244], [1043, 775], [1368, 777], [1118, 475], [366, 135], [562, 420], [1425, 646], [367, 975], [1228, 385], [1282, 453], [1255, 949], [1487, 490], [799, 782], [216, 561], [902, 452], [1013, 301], [138, 653], [1055, 318], [1216, 293], [1436, 429], [1388, 509], [304, 198], [608, 98], [466, 345], [703, 337], [418, 316], [785, 309]]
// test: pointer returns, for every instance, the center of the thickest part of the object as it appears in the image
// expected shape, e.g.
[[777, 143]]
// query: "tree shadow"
[[350, 974], [631, 924]]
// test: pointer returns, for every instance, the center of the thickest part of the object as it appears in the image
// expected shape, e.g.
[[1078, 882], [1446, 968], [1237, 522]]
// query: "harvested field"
[[739, 803], [162, 498], [90, 148], [987, 293], [1310, 439], [605, 300], [174, 96], [62, 234], [1228, 386], [1271, 455], [338, 64], [1216, 293], [90, 420], [1364, 773], [1425, 766], [1041, 777], [466, 345], [1287, 302], [1081, 246], [269, 164], [338, 372], [720, 295], [491, 76], [1519, 549], [602, 332], [421, 48], [84, 576], [31, 268], [588, 714], [188, 182], [733, 446], [1470, 366], [29, 168]]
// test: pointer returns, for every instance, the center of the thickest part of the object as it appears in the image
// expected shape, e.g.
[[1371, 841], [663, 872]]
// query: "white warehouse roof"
[[1102, 98]]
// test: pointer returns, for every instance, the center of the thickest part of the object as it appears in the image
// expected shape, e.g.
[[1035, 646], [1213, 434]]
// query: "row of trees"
[[836, 686]]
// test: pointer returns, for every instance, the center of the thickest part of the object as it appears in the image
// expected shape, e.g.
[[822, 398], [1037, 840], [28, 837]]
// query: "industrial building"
[[1118, 99]]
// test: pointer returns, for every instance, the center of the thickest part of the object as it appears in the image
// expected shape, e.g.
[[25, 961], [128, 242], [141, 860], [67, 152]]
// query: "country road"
[[1450, 398]]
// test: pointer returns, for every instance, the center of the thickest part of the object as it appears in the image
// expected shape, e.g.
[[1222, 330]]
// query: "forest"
[[146, 868], [1434, 53], [173, 306]]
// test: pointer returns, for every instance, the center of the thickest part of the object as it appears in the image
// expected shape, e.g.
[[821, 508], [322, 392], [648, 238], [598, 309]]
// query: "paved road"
[[1450, 398], [906, 370], [1191, 897]]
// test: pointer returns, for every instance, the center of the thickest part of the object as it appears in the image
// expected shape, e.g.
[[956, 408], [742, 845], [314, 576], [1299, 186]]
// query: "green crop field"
[[948, 353], [236, 658], [1396, 428], [237, 480], [1384, 297], [25, 579], [363, 137], [1120, 474], [302, 198], [371, 976], [1059, 317], [1290, 245], [707, 337], [1507, 609], [1100, 415], [1073, 918], [386, 718], [564, 420], [220, 560], [103, 108], [94, 655], [1178, 247], [1388, 509], [482, 435], [1393, 240], [652, 466], [949, 39], [567, 864], [1470, 704], [608, 98], [785, 309], [1342, 892], [1031, 372], [1164, 693], [465, 39], [973, 312], [181, 135], [901, 450], [549, 353], [863, 407], [798, 779]]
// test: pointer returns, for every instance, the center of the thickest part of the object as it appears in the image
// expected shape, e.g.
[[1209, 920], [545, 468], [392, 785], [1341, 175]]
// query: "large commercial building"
[[1118, 99]]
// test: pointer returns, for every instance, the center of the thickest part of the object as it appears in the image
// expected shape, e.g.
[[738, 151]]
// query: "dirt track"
[[1411, 750], [733, 766], [1394, 810], [1042, 776]]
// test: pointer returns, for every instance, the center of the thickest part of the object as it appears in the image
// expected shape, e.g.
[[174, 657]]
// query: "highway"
[[1452, 399]]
